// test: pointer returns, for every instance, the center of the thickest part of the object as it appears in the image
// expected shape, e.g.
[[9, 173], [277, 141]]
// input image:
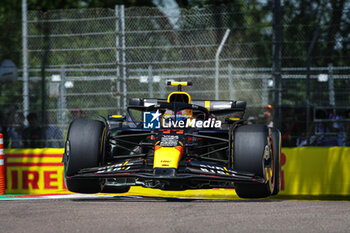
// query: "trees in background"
[[250, 39], [300, 19]]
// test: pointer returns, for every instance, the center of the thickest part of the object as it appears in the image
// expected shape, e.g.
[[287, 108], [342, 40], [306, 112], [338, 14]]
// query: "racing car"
[[177, 143]]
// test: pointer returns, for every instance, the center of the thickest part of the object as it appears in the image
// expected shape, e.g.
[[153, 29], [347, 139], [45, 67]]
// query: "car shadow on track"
[[165, 199]]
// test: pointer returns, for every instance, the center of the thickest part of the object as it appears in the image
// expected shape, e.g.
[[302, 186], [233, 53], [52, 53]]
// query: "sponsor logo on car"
[[154, 120], [151, 120], [192, 123]]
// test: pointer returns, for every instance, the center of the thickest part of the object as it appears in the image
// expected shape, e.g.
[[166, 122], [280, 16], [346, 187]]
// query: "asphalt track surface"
[[147, 214]]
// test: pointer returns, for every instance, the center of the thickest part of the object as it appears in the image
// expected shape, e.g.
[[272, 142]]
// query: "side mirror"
[[231, 120], [117, 118]]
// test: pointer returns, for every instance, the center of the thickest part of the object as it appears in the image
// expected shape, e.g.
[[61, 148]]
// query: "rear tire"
[[277, 140], [249, 149], [83, 150]]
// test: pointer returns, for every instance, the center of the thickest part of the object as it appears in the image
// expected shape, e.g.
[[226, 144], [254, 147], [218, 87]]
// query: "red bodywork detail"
[[208, 175], [125, 173], [179, 148]]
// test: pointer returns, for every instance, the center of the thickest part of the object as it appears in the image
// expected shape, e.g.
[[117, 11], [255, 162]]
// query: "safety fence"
[[83, 62]]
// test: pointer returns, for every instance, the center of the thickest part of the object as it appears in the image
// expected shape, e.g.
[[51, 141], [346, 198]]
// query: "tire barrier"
[[305, 171]]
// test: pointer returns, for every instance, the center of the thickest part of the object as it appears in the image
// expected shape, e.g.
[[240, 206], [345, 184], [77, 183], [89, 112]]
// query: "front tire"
[[83, 150], [253, 153]]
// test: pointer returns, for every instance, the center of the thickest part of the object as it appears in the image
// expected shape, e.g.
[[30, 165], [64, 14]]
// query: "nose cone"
[[167, 157]]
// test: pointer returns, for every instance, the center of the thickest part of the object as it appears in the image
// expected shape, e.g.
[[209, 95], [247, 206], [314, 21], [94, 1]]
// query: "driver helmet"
[[184, 115], [180, 115]]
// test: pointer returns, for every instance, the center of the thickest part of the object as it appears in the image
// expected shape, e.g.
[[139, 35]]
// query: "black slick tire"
[[249, 146], [277, 140], [83, 150]]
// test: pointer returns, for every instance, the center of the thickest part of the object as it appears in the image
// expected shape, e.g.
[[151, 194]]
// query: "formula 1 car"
[[176, 144]]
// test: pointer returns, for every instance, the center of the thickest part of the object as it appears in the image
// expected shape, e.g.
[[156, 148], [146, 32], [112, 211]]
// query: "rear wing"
[[213, 106]]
